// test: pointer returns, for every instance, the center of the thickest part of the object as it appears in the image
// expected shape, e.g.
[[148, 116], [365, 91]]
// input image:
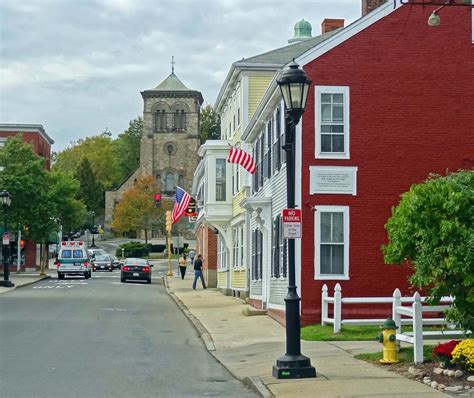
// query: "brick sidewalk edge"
[[253, 382]]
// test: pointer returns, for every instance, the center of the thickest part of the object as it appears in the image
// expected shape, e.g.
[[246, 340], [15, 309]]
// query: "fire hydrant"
[[388, 339]]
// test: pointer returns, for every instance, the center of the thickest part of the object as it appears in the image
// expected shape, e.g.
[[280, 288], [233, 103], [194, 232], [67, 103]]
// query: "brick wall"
[[410, 90]]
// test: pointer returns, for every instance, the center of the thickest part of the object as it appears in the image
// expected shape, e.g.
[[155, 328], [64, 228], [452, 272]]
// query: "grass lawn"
[[348, 332], [405, 355]]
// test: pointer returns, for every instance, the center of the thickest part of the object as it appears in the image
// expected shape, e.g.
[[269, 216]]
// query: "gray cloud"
[[77, 66]]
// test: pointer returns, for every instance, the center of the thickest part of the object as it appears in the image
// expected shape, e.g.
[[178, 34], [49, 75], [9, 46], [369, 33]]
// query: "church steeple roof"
[[172, 83]]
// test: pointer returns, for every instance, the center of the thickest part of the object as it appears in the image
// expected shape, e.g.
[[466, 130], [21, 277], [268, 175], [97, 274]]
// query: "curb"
[[203, 333], [27, 284], [254, 383]]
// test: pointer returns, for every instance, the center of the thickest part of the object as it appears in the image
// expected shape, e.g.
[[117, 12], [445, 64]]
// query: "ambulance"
[[73, 259]]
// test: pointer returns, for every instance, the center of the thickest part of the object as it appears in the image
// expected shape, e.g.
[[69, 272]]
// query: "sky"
[[77, 66]]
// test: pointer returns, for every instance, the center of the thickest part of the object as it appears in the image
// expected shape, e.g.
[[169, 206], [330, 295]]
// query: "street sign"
[[193, 219], [291, 223], [6, 238]]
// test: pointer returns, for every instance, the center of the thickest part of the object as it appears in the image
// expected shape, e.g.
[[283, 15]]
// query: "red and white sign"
[[291, 223], [6, 238]]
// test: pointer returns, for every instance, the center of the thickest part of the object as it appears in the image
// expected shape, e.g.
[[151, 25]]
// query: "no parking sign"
[[291, 223]]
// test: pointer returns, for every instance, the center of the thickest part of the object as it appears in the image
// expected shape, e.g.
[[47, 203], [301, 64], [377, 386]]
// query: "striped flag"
[[237, 155], [182, 203]]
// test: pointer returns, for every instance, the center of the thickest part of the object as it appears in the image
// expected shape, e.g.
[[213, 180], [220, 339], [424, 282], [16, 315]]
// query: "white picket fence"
[[413, 315]]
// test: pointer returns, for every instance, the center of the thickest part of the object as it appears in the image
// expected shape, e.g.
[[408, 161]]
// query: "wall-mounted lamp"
[[434, 19]]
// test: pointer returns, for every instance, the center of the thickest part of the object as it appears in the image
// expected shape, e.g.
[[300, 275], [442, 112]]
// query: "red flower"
[[445, 349]]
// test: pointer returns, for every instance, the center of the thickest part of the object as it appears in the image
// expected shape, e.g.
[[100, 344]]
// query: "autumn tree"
[[433, 228], [137, 211], [210, 125]]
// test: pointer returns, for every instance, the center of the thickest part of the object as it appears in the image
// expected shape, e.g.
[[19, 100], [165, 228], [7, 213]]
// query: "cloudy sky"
[[78, 66]]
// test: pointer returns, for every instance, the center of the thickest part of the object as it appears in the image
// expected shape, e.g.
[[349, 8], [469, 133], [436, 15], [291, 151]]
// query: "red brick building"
[[36, 135], [206, 245], [390, 103]]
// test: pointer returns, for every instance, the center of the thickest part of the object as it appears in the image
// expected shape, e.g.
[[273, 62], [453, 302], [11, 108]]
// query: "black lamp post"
[[5, 200], [294, 85], [93, 228]]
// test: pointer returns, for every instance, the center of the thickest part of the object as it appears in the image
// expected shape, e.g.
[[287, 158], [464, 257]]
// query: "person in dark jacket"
[[198, 272]]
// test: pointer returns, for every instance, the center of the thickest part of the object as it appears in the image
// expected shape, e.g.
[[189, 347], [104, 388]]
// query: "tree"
[[210, 125], [433, 228], [137, 210], [127, 148], [99, 150], [90, 191], [41, 200]]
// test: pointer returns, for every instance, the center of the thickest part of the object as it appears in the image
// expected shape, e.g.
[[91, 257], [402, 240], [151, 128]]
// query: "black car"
[[136, 269], [102, 262], [116, 262]]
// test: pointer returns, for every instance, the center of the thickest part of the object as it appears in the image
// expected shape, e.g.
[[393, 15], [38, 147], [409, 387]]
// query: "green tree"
[[137, 210], [100, 152], [433, 228], [41, 200], [127, 148], [91, 191], [210, 124]]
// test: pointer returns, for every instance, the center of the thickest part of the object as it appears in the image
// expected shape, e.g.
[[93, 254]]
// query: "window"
[[158, 180], [235, 179], [66, 254], [181, 181], [257, 254], [282, 142], [220, 180], [160, 120], [169, 182], [238, 117], [332, 242], [179, 122], [241, 245], [235, 246], [77, 254], [332, 122], [269, 148], [221, 254], [280, 249], [234, 122], [276, 155]]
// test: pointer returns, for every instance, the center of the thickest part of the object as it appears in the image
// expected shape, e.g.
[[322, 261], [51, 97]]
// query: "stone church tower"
[[170, 141]]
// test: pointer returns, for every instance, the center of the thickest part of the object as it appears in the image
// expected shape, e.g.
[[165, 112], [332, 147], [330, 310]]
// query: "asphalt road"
[[101, 338]]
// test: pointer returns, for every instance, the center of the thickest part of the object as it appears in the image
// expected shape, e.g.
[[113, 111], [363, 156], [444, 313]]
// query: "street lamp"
[[93, 228], [294, 85], [5, 200]]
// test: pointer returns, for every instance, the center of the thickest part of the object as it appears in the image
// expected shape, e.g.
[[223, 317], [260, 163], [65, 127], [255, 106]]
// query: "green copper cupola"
[[302, 31]]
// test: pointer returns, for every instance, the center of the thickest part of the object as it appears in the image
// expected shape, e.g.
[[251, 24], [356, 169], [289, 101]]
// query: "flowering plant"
[[442, 352], [463, 354]]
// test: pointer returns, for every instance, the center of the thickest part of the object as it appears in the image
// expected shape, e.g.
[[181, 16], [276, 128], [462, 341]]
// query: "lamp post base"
[[293, 367], [7, 283]]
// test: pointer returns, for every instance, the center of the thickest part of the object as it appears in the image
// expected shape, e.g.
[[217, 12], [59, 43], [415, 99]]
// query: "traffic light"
[[191, 210], [22, 244], [157, 200], [168, 221]]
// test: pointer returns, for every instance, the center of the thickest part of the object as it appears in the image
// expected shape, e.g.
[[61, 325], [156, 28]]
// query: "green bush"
[[133, 249]]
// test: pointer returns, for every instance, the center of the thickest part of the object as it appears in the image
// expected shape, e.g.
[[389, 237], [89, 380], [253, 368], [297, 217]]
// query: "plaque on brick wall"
[[333, 180]]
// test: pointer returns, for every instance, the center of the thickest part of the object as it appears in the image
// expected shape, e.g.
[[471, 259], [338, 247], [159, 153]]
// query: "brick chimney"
[[370, 5], [328, 25]]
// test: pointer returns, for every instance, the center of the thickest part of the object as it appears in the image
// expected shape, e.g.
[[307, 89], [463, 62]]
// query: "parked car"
[[102, 262], [136, 269], [116, 262]]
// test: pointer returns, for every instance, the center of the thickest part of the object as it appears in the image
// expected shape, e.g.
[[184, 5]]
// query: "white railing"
[[414, 312]]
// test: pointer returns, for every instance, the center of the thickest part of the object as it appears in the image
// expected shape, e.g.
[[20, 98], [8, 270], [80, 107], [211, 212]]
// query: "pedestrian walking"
[[192, 253], [183, 263], [198, 272]]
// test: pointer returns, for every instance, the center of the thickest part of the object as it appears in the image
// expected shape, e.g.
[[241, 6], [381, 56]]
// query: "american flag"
[[241, 157], [182, 203]]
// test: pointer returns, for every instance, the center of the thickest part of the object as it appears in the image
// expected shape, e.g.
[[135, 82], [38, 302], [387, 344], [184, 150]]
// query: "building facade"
[[169, 143]]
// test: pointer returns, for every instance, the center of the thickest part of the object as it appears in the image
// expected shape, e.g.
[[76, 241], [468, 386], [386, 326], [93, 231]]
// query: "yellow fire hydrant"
[[388, 339]]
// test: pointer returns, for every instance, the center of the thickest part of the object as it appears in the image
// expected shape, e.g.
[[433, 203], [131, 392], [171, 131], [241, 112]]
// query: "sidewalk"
[[248, 347], [23, 279]]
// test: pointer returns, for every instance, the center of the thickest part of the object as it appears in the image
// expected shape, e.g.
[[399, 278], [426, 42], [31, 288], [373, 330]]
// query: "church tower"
[[169, 144], [170, 139]]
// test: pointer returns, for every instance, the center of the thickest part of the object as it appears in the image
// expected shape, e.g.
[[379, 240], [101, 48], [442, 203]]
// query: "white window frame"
[[319, 90], [317, 242]]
